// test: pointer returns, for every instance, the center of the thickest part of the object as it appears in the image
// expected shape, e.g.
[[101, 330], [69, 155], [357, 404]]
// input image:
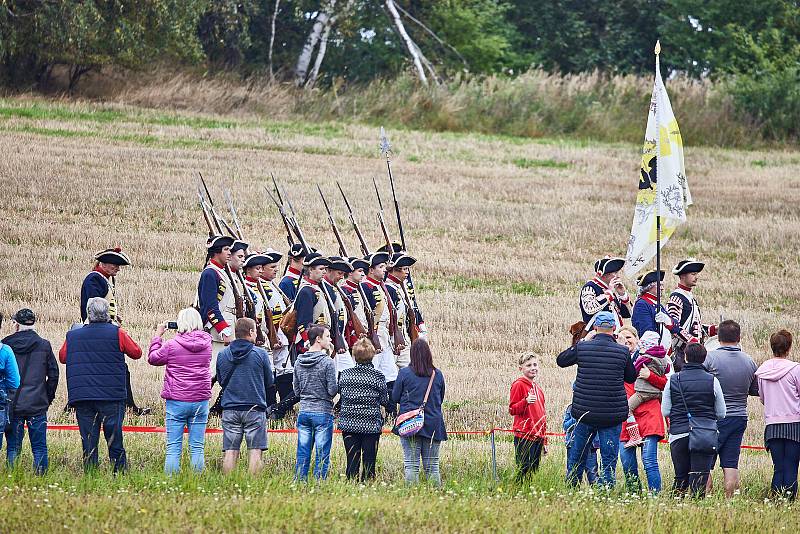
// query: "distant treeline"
[[746, 54]]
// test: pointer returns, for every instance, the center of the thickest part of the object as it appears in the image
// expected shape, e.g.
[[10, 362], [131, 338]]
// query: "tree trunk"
[[272, 40], [416, 54], [323, 46], [304, 60]]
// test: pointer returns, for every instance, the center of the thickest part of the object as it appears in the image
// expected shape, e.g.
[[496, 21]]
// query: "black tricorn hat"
[[378, 257], [396, 247], [359, 263], [216, 243], [401, 259], [609, 265], [297, 251], [254, 260], [339, 264], [314, 259], [239, 245], [114, 256], [689, 265], [650, 277], [273, 255]]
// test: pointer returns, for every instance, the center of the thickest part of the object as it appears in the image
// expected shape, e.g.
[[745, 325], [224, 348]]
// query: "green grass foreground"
[[145, 499]]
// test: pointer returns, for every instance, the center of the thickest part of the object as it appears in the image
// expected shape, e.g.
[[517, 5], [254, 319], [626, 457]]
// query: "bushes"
[[772, 99]]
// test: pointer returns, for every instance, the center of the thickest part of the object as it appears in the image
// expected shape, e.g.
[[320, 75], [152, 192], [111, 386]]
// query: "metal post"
[[494, 455]]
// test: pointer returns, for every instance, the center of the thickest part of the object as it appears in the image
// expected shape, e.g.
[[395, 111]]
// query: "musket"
[[386, 150], [372, 332], [358, 328], [339, 343], [362, 242], [342, 247], [237, 298], [249, 301], [397, 335]]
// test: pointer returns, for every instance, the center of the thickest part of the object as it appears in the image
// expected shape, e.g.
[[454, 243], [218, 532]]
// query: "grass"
[[525, 163], [65, 499], [502, 252]]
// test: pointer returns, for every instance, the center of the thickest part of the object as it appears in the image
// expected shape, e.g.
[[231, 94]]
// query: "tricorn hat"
[[298, 251], [609, 265], [401, 259], [377, 258], [314, 259], [254, 260], [114, 256], [396, 247], [216, 243], [337, 263], [689, 265], [650, 277], [359, 263], [239, 245], [273, 255]]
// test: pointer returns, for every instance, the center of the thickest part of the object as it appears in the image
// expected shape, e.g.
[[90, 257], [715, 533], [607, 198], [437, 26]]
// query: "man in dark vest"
[[95, 358], [599, 401]]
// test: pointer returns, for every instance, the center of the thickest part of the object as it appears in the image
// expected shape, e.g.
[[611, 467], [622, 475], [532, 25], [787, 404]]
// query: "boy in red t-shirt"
[[530, 418]]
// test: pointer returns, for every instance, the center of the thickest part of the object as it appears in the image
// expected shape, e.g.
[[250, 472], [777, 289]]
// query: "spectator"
[[526, 404], [409, 390], [599, 402], [691, 391], [569, 439], [39, 380], [187, 386], [735, 371], [315, 384], [244, 372], [649, 423], [96, 381], [362, 391], [627, 336], [779, 389], [9, 381]]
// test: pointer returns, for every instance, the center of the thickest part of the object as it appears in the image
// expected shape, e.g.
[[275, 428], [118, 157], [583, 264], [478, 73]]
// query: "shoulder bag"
[[703, 432], [409, 423]]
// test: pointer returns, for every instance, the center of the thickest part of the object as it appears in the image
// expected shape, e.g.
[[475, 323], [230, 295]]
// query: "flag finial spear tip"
[[658, 47]]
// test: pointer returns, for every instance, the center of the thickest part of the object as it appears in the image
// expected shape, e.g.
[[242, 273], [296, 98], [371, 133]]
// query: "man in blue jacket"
[[96, 376], [599, 401], [244, 372]]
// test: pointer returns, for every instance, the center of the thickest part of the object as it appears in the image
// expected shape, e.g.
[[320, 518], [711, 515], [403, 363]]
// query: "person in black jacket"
[[38, 382], [692, 391], [599, 402]]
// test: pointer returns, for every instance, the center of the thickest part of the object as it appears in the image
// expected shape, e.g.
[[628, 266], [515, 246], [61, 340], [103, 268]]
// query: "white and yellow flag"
[[663, 189]]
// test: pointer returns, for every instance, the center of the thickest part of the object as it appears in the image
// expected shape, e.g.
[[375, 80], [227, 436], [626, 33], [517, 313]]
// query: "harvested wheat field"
[[505, 229]]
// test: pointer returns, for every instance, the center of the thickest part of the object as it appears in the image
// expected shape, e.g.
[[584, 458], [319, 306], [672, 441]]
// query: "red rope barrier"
[[161, 430]]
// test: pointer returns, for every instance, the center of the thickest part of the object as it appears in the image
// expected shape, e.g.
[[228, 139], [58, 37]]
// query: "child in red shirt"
[[526, 404]]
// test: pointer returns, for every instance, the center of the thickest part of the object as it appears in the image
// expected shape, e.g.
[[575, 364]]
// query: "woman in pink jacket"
[[187, 386], [779, 389]]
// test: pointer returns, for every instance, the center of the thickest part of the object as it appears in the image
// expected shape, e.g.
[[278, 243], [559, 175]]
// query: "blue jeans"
[[37, 434], [581, 446], [650, 462], [313, 430], [180, 415], [91, 415], [591, 466]]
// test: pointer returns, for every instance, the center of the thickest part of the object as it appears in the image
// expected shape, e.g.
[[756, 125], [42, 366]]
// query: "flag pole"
[[658, 195]]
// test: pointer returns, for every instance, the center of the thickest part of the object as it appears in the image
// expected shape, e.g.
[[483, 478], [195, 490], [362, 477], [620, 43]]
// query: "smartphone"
[[172, 325]]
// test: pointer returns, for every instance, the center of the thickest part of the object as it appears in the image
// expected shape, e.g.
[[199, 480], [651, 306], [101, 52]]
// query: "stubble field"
[[505, 230]]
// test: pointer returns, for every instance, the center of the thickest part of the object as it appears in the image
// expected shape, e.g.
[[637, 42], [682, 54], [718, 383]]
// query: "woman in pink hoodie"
[[779, 389], [187, 386]]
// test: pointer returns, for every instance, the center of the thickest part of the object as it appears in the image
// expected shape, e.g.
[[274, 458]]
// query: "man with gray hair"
[[95, 358], [38, 382]]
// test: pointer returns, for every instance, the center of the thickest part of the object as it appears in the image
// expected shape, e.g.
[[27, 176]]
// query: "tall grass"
[[537, 104]]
